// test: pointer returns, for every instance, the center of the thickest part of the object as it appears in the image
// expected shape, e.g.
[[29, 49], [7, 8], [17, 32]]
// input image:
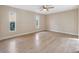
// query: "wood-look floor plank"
[[41, 42]]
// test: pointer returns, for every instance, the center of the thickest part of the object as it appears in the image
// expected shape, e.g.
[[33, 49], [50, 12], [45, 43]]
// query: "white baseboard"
[[31, 33], [16, 35], [19, 35], [64, 32]]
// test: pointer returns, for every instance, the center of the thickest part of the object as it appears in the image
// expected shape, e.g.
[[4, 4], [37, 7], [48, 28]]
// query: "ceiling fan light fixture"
[[45, 10]]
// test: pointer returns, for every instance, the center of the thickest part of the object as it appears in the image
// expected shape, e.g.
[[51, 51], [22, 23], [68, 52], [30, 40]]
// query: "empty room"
[[39, 29]]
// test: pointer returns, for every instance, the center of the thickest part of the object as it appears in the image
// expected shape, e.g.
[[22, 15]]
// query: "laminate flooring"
[[41, 42]]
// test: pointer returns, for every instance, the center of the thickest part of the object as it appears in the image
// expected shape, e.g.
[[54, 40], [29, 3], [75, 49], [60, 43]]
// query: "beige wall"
[[25, 22], [78, 21], [0, 24], [65, 22]]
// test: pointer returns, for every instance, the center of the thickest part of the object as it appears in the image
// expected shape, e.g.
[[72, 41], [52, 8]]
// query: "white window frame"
[[12, 18], [37, 18]]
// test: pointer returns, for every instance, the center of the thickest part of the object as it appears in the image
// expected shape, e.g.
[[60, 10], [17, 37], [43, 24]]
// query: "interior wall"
[[64, 22], [0, 24], [0, 28], [25, 22], [78, 21]]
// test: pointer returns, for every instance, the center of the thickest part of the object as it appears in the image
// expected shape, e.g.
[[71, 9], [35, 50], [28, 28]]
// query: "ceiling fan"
[[46, 7]]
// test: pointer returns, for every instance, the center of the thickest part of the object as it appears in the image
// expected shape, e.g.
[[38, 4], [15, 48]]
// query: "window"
[[12, 21], [37, 22], [12, 26]]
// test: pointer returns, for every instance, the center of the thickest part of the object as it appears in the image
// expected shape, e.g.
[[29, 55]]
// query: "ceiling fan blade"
[[46, 7], [50, 7]]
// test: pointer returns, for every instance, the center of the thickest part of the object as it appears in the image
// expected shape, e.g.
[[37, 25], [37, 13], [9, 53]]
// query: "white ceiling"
[[36, 8]]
